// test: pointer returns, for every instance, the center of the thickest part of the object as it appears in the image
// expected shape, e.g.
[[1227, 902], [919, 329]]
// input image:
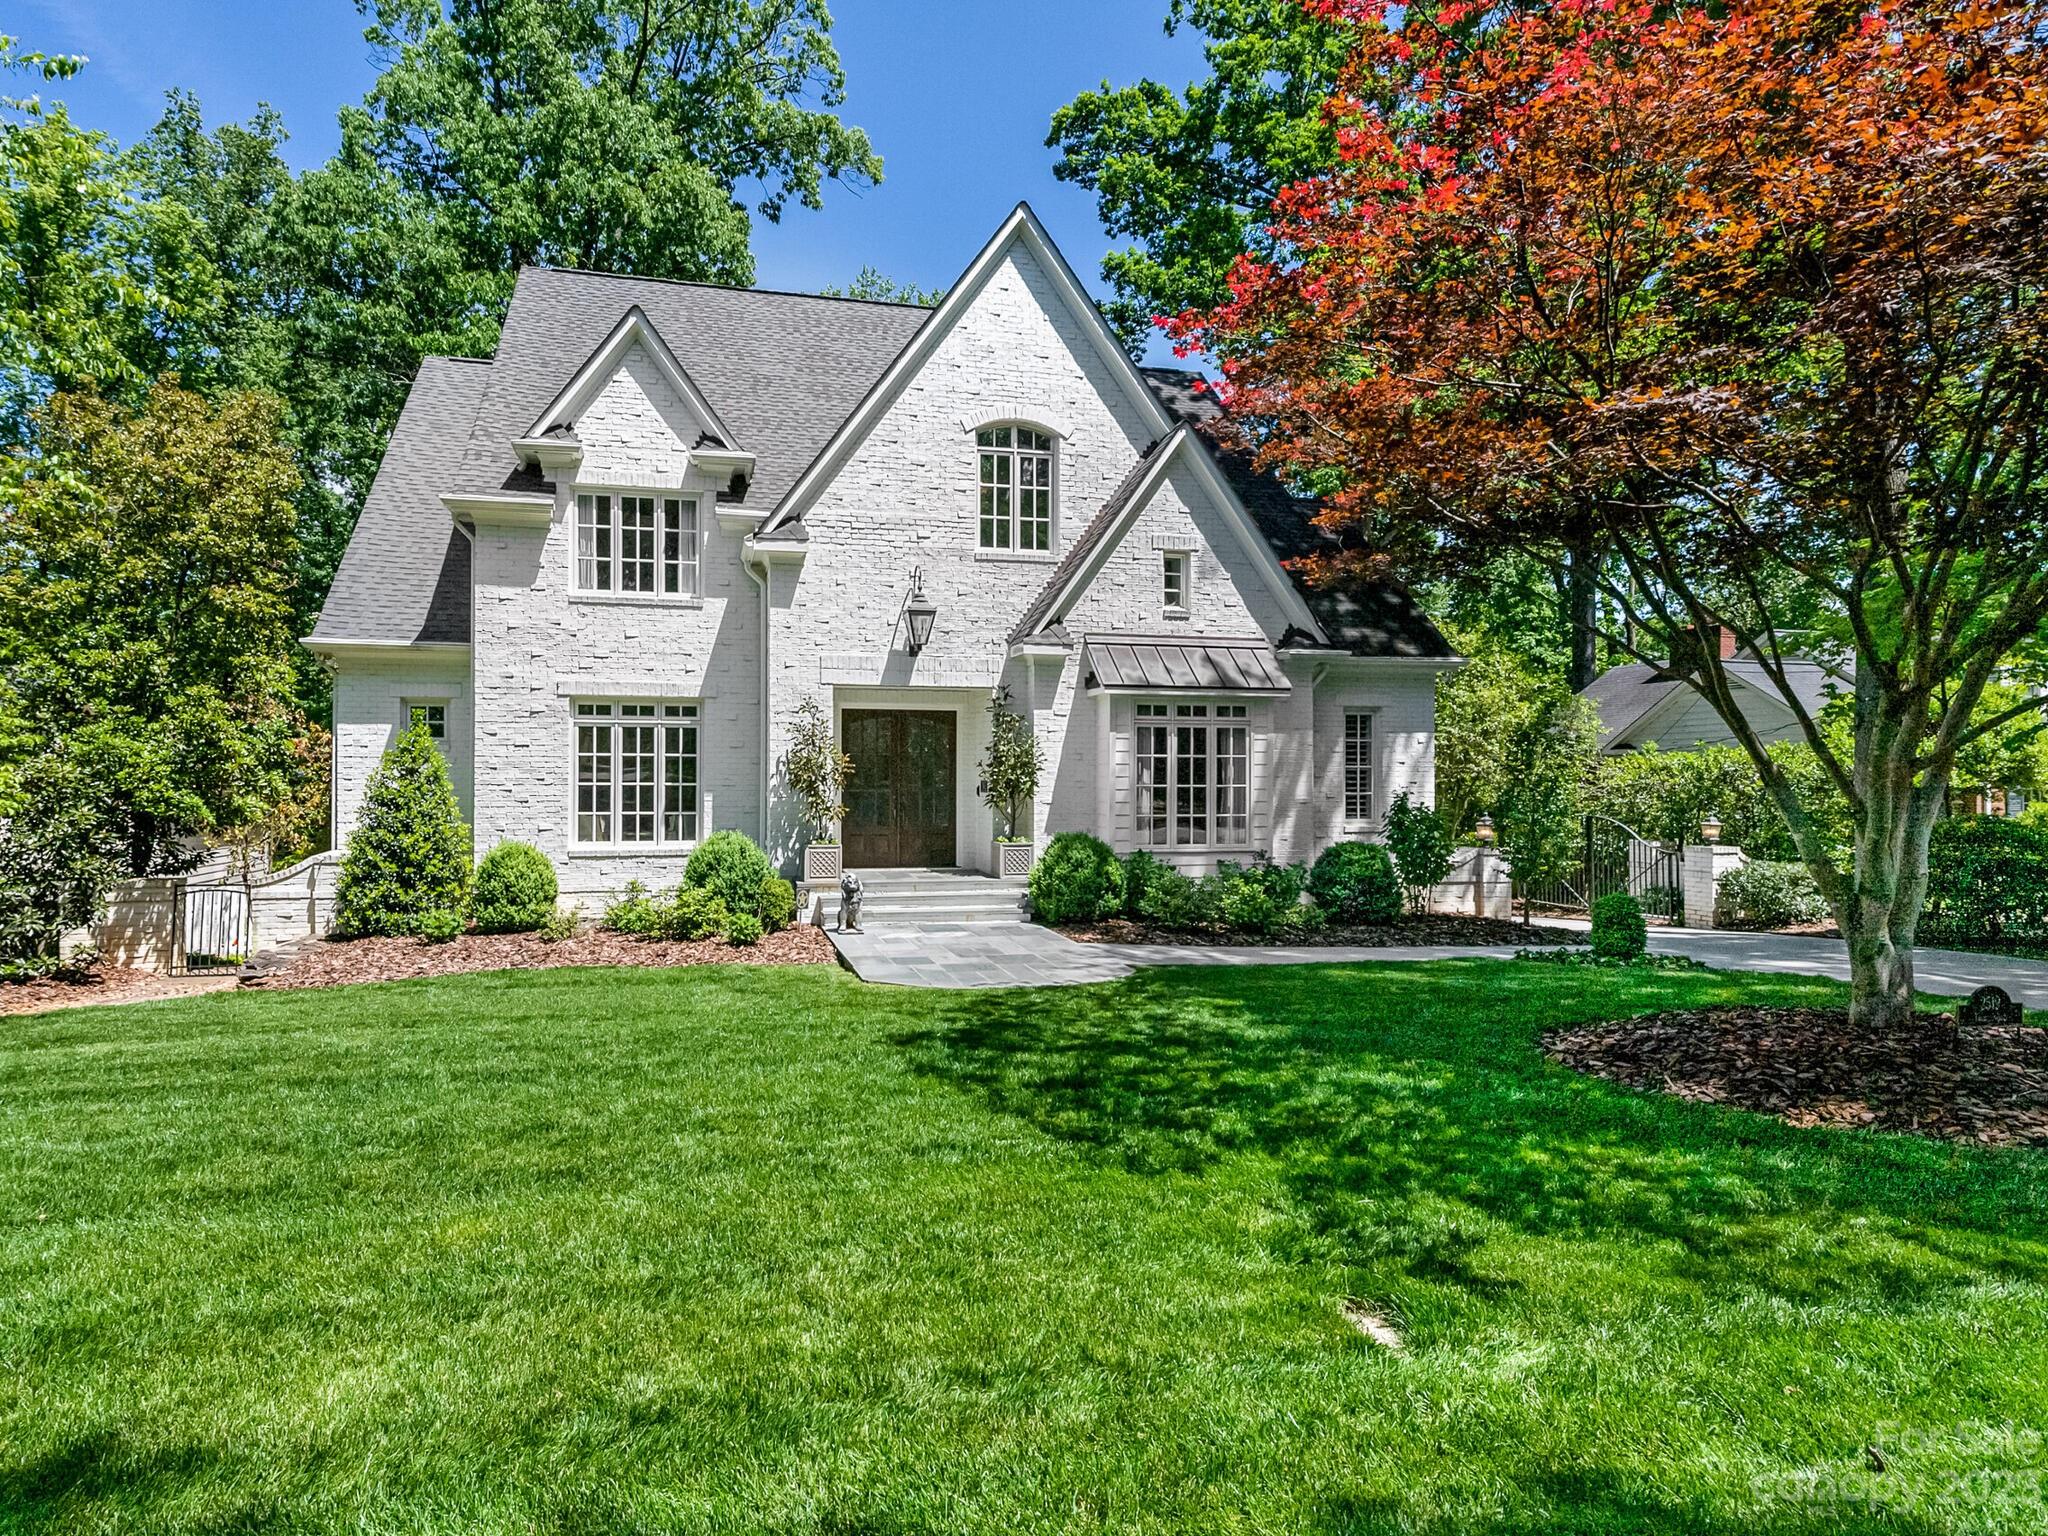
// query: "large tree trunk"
[[1581, 594]]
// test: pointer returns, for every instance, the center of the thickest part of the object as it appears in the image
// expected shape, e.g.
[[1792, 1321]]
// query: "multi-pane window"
[[1193, 775], [433, 716], [1357, 765], [636, 773], [1016, 488], [638, 544], [1173, 589]]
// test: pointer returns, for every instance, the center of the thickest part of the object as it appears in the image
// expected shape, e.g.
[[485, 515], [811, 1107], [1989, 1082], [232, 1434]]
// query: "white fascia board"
[[1022, 224], [384, 650], [506, 509], [634, 326]]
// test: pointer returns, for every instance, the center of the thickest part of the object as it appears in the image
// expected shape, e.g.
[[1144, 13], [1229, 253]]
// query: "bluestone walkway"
[[1027, 955]]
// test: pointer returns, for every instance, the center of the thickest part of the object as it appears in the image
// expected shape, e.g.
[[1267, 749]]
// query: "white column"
[[1705, 865]]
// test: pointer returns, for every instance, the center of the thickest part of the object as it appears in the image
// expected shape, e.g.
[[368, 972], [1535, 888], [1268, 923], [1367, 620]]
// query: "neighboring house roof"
[[1630, 698], [405, 576]]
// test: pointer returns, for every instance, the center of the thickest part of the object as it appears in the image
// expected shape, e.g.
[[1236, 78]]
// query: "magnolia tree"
[[1747, 301]]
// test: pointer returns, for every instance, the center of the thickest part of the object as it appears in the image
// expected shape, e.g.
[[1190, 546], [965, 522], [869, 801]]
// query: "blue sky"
[[956, 95]]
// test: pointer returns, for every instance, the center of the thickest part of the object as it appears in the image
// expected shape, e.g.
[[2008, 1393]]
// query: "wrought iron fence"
[[212, 930], [1613, 857]]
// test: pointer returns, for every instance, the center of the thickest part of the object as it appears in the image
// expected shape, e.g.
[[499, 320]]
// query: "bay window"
[[636, 774], [643, 545], [1193, 781]]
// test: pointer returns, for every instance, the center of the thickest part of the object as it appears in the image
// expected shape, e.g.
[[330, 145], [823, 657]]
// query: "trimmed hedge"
[[1076, 880], [1987, 882], [1619, 932], [1769, 894], [515, 890], [1355, 883]]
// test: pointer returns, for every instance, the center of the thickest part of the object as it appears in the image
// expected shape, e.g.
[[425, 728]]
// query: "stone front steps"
[[898, 896]]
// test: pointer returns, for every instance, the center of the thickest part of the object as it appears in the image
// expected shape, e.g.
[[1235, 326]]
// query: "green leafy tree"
[[408, 858], [145, 617], [610, 133], [1538, 816], [1420, 841], [1482, 709], [873, 284], [817, 770], [1186, 176]]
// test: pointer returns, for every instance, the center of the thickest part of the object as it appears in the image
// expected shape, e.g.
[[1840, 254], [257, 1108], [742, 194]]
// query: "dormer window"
[[643, 546], [1016, 488]]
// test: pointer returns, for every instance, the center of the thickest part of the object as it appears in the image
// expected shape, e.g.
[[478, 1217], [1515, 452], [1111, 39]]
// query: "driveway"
[[1027, 955]]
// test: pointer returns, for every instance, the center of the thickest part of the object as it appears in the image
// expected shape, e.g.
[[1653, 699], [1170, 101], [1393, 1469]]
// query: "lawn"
[[732, 1249]]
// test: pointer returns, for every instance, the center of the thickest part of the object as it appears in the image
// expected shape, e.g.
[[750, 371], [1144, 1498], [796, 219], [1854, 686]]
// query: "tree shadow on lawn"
[[1401, 1106]]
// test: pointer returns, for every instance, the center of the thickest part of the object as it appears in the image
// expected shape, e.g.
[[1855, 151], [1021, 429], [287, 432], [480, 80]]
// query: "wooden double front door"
[[899, 804]]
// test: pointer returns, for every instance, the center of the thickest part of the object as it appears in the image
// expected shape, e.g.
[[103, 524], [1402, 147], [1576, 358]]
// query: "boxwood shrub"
[[1355, 883], [1076, 880], [732, 867], [1619, 932], [1768, 893], [515, 890]]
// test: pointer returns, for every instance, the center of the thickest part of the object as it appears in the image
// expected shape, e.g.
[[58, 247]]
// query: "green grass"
[[738, 1249]]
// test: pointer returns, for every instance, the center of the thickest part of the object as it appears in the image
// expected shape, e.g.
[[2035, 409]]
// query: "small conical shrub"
[[408, 857]]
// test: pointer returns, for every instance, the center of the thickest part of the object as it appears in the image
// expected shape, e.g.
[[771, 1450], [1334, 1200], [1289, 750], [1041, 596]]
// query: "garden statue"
[[849, 902]]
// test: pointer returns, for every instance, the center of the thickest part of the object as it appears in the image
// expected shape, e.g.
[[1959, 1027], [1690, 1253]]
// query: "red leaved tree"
[[1746, 306]]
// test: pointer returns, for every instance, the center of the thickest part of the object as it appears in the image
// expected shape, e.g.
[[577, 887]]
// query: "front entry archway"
[[900, 801]]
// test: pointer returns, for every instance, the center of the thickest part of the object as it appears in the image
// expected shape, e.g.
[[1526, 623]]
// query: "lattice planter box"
[[1013, 860], [823, 863]]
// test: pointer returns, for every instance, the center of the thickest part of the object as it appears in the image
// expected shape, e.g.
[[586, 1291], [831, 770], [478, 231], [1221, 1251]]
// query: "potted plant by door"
[[817, 772], [1009, 778]]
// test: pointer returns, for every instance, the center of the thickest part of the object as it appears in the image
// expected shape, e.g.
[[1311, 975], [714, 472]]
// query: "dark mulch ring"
[[332, 962], [1807, 1067], [1497, 931]]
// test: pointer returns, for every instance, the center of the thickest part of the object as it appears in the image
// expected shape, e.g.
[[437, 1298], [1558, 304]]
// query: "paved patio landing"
[[973, 955]]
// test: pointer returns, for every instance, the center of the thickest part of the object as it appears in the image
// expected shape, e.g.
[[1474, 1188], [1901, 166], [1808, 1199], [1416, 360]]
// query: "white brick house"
[[609, 563]]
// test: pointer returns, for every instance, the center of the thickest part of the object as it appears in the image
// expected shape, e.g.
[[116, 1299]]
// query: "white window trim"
[[614, 848], [660, 496], [1011, 551], [1211, 720], [413, 701], [1371, 821], [1186, 606]]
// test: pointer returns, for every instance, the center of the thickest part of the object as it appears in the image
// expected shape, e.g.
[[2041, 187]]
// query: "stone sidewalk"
[[1026, 955]]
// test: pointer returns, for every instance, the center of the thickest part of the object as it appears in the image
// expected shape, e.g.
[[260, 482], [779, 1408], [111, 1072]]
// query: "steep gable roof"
[[780, 370], [1022, 226], [1628, 696], [633, 329], [405, 576]]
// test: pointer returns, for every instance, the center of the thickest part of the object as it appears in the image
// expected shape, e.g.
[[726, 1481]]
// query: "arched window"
[[1016, 488]]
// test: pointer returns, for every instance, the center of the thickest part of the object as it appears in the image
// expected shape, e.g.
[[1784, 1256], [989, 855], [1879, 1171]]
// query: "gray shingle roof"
[[1625, 695], [1077, 554], [782, 369], [405, 576]]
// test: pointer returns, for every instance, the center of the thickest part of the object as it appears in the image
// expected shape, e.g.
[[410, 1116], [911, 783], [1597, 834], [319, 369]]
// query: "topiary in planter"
[[732, 867], [1076, 880], [409, 854], [1619, 932], [515, 890], [1355, 883]]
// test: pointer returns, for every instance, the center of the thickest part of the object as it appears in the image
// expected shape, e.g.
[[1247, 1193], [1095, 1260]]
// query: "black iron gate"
[[212, 929], [1613, 857]]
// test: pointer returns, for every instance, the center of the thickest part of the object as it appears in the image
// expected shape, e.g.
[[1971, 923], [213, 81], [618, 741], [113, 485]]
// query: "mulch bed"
[[333, 962], [101, 984], [1807, 1067], [1495, 931]]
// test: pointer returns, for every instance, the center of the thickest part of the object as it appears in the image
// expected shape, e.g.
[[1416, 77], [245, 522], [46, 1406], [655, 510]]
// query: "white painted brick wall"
[[905, 497], [370, 699]]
